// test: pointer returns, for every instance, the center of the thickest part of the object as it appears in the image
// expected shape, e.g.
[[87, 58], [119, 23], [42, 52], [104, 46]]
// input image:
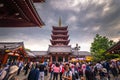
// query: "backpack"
[[74, 76], [63, 70], [1, 72]]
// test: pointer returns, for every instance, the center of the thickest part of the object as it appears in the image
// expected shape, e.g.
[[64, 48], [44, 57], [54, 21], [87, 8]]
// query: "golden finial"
[[59, 21]]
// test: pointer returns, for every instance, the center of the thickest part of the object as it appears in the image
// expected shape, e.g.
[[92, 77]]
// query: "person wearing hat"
[[12, 73], [34, 74], [3, 72]]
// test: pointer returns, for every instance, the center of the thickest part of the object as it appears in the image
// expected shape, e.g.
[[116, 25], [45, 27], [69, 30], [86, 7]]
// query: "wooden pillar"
[[18, 59], [5, 58], [63, 58], [56, 58], [28, 59], [1, 58], [68, 58], [51, 58]]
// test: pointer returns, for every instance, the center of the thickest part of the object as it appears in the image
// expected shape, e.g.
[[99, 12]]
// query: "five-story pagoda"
[[59, 48]]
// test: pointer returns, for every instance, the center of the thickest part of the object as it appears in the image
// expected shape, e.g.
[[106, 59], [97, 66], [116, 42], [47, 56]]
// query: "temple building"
[[59, 48], [58, 51], [14, 51], [115, 49], [11, 51]]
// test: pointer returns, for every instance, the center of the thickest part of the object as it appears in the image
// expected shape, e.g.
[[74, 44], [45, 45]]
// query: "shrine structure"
[[59, 48], [115, 49]]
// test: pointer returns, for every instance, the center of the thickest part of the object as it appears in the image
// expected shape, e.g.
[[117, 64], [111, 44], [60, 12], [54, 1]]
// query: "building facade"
[[59, 48]]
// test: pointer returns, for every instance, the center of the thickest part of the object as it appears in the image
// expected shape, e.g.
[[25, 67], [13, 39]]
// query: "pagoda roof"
[[60, 28], [19, 13], [57, 49], [60, 31], [53, 38], [59, 35], [114, 49], [60, 41]]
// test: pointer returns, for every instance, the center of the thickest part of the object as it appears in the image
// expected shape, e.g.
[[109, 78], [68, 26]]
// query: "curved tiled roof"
[[55, 49], [40, 53], [10, 45], [30, 54]]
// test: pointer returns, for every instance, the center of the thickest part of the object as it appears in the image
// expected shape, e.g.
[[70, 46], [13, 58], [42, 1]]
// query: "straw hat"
[[13, 69], [104, 70]]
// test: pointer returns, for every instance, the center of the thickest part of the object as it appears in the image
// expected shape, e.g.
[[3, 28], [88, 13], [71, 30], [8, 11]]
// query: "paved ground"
[[23, 77]]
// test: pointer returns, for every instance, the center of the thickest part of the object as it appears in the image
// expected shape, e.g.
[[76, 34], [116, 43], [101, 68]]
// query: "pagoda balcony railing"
[[60, 45], [60, 28], [61, 40], [60, 35], [59, 31]]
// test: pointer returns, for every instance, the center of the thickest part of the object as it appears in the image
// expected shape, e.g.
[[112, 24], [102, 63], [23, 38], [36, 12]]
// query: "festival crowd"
[[102, 70]]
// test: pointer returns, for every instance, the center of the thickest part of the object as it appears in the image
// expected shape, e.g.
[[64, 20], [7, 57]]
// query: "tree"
[[27, 49], [99, 46]]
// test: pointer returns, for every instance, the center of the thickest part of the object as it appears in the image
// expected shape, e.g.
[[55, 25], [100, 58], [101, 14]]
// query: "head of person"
[[57, 65], [67, 66], [41, 62], [13, 69]]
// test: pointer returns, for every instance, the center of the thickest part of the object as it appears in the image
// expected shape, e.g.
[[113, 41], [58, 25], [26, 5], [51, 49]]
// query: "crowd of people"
[[102, 70], [85, 71]]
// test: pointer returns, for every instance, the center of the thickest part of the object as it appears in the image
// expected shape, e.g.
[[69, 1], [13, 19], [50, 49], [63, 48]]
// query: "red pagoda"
[[59, 48]]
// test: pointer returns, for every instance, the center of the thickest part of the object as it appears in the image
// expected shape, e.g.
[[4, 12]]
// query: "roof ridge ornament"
[[60, 22]]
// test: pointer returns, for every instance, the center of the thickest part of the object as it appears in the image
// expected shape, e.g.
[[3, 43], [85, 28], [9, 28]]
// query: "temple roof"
[[10, 45], [53, 42], [40, 53], [30, 54], [81, 53], [59, 35], [57, 49], [65, 38], [60, 28], [114, 49], [59, 31], [19, 13], [38, 0]]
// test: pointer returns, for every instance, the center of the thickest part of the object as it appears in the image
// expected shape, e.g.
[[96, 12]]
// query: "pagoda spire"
[[60, 22]]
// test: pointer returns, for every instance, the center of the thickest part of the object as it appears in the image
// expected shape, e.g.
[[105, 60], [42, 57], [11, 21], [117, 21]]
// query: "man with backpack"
[[75, 74], [67, 75]]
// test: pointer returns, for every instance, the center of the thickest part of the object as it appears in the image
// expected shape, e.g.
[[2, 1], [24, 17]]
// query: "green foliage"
[[111, 56], [99, 46], [27, 49]]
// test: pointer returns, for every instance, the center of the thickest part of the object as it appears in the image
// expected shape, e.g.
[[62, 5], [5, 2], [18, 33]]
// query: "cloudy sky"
[[84, 18]]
